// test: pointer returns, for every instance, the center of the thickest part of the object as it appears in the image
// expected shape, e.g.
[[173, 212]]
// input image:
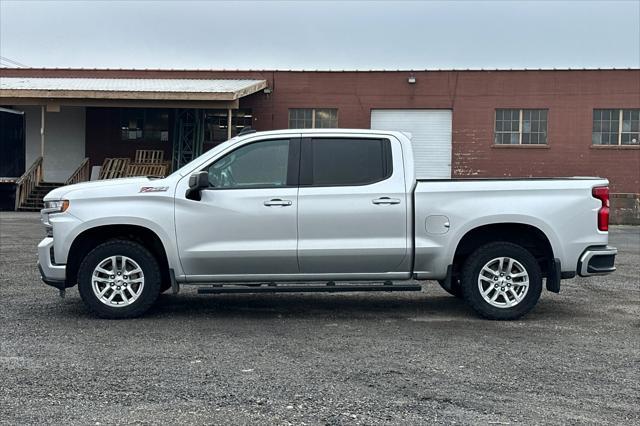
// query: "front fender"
[[166, 238]]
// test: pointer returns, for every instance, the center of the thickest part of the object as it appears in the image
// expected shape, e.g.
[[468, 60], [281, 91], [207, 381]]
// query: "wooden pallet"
[[149, 156], [114, 168], [137, 169]]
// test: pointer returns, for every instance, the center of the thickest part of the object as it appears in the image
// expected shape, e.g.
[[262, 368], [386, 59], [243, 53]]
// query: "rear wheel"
[[501, 281], [119, 279]]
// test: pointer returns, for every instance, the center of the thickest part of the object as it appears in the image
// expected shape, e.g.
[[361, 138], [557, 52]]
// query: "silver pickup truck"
[[322, 210]]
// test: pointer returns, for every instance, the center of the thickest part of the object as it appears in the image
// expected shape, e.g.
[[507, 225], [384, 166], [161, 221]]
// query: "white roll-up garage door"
[[430, 136]]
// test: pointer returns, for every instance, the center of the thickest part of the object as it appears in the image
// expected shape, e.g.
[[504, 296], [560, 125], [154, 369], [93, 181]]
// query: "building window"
[[215, 131], [616, 127], [521, 127], [240, 119], [150, 125], [217, 124], [325, 118], [313, 118]]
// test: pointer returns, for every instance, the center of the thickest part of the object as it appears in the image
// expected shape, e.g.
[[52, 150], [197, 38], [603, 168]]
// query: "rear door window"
[[345, 161]]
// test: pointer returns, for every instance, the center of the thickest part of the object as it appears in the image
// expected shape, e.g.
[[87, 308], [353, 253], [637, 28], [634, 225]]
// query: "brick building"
[[464, 123]]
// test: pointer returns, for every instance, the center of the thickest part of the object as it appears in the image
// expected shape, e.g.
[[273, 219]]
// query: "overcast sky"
[[321, 35]]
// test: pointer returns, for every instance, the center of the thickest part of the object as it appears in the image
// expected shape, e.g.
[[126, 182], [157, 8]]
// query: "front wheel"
[[119, 279], [501, 281]]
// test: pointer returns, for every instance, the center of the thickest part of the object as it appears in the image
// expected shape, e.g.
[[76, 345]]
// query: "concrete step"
[[34, 197], [45, 188], [50, 184]]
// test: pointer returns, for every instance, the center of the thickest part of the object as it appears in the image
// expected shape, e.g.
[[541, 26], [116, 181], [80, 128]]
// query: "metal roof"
[[328, 70], [128, 88]]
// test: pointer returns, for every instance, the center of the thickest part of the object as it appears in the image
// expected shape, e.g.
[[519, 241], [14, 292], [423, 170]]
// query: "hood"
[[62, 192]]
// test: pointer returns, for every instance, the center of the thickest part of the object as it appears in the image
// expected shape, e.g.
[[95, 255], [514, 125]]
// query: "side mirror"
[[197, 182]]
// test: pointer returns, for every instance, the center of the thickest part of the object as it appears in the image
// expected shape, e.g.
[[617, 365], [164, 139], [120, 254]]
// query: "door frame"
[[398, 156], [292, 183]]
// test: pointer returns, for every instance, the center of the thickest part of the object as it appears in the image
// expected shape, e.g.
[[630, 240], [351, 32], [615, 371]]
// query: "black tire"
[[472, 269], [455, 290], [138, 253], [165, 286]]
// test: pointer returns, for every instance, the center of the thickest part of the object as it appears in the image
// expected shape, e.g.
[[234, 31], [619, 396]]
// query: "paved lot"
[[412, 358]]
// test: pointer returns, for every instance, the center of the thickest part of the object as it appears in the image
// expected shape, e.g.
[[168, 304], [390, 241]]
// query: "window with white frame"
[[616, 127], [521, 127], [313, 118]]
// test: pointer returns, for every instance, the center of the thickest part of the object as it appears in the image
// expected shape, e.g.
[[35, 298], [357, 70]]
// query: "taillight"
[[602, 194]]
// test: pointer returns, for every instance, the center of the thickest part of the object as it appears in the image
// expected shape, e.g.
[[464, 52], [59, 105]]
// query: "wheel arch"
[[526, 235], [90, 238]]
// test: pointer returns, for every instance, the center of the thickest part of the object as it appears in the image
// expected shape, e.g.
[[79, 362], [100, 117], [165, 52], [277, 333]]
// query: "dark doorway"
[[12, 143]]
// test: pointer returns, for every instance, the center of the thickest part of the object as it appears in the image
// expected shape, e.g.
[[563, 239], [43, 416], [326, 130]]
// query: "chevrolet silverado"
[[322, 210]]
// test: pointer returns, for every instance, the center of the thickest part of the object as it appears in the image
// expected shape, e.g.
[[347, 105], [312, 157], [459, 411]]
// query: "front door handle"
[[277, 202], [386, 201]]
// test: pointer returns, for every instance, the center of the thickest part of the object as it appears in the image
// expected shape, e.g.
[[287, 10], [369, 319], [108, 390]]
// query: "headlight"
[[51, 207], [56, 206]]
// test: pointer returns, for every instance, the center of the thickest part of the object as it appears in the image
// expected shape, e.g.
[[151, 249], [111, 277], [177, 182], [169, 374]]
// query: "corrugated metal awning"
[[128, 88]]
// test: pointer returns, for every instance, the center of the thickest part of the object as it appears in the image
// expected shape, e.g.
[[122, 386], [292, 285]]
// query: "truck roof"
[[330, 130]]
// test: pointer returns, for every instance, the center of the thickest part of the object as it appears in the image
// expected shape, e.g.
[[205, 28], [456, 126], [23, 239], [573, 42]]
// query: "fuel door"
[[437, 224]]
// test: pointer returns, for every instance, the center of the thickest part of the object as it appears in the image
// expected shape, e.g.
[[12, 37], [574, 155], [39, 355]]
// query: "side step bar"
[[328, 288]]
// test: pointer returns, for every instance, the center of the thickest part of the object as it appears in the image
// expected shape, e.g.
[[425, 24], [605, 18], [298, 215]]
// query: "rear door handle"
[[277, 202], [386, 200]]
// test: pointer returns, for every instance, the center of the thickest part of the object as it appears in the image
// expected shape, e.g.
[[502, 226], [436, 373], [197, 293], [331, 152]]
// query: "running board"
[[328, 288]]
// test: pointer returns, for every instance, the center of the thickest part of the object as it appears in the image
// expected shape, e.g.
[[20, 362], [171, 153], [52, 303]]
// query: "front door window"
[[258, 165]]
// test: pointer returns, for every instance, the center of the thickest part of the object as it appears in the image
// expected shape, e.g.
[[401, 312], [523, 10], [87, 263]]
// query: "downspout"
[[273, 88]]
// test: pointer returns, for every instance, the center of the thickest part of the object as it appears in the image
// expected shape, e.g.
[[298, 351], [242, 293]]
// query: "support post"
[[229, 122], [42, 114]]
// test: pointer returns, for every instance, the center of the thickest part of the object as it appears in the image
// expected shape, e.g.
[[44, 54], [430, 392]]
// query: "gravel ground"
[[370, 358]]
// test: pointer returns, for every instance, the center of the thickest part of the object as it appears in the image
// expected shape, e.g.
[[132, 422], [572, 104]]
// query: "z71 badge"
[[154, 189]]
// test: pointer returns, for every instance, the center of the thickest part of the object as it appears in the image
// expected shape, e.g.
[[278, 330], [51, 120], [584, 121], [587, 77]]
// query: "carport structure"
[[57, 109]]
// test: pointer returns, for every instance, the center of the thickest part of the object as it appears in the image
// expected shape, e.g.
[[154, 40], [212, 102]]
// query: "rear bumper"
[[52, 274], [597, 261]]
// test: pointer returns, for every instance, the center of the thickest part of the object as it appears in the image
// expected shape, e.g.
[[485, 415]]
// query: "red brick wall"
[[570, 97]]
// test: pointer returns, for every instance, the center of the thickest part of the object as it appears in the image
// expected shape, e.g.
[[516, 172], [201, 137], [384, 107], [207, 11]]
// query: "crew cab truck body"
[[265, 210]]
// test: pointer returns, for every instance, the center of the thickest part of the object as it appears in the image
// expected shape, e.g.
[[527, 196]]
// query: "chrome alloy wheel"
[[117, 281], [503, 282]]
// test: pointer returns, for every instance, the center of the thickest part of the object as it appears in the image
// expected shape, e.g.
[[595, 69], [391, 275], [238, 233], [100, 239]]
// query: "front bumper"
[[597, 261], [52, 274]]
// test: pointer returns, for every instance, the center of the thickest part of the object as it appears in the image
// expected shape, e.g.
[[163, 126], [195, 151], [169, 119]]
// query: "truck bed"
[[446, 209]]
